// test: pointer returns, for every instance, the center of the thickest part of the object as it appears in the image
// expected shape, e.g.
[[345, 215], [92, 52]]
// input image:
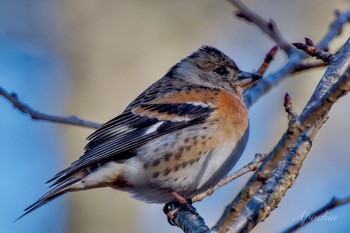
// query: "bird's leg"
[[187, 204], [172, 208]]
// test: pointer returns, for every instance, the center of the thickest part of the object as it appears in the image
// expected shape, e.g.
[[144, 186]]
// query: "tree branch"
[[267, 61], [251, 166], [186, 220], [335, 29], [308, 66], [268, 27], [35, 115], [294, 63], [313, 51], [288, 106]]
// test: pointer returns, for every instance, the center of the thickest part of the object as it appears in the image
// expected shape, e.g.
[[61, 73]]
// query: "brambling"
[[179, 138]]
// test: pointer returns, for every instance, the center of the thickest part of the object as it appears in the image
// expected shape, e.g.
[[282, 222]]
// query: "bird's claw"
[[173, 208]]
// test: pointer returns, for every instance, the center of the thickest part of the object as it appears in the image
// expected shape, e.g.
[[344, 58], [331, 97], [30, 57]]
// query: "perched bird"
[[175, 140]]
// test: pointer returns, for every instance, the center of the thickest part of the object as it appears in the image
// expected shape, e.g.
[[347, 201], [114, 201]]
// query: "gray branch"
[[36, 115], [294, 62]]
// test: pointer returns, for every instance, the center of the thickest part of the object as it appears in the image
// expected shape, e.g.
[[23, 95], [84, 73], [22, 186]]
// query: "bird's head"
[[210, 67]]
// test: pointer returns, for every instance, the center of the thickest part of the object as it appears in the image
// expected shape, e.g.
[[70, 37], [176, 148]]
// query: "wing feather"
[[134, 128]]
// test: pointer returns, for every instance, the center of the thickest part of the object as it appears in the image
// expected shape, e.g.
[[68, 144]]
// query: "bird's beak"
[[246, 78]]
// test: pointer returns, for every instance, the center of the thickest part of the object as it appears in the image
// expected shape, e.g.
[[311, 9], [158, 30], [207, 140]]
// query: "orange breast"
[[232, 114]]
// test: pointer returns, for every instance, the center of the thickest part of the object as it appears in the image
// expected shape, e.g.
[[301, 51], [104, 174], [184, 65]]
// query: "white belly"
[[192, 180]]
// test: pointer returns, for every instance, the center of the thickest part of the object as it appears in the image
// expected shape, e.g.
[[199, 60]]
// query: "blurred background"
[[91, 58]]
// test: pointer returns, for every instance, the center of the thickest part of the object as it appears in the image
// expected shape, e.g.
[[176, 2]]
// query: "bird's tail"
[[76, 179], [51, 195]]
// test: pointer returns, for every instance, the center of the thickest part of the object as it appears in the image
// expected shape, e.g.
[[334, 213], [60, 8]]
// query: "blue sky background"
[[29, 150]]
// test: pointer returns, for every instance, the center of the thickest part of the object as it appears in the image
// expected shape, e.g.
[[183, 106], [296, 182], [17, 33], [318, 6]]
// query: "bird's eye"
[[221, 70]]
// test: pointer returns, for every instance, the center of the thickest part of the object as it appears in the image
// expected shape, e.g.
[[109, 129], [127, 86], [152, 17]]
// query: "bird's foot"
[[172, 209]]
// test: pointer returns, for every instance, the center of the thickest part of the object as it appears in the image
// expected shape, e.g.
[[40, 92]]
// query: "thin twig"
[[294, 62], [312, 50], [35, 115], [308, 66], [288, 106], [334, 203], [335, 29], [267, 61], [268, 27], [263, 67], [251, 166]]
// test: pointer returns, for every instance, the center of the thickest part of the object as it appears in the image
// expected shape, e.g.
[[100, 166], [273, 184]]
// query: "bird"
[[177, 139]]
